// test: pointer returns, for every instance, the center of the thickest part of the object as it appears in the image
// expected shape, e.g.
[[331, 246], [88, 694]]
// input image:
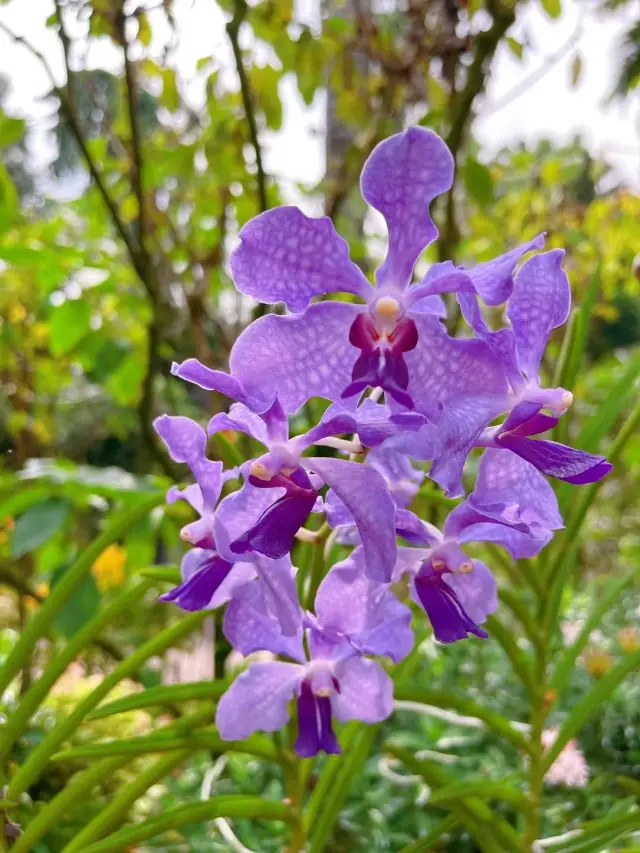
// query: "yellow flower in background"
[[597, 662], [629, 639], [42, 591], [108, 569]]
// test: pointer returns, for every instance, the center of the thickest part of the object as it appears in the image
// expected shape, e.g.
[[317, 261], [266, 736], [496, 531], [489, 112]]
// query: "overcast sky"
[[550, 108]]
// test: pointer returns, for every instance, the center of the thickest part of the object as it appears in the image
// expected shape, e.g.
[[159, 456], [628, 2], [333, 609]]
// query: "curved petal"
[[558, 460], [476, 591], [540, 302], [186, 442], [366, 691], [365, 494], [195, 372], [279, 593], [240, 419], [493, 280], [197, 591], [237, 513], [285, 256], [258, 700], [521, 546], [400, 179], [298, 357]]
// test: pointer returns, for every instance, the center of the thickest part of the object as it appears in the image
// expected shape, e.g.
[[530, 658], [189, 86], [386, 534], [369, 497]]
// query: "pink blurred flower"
[[570, 767]]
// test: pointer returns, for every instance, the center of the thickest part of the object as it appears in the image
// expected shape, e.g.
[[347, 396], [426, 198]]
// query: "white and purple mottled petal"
[[366, 496], [285, 256], [258, 700], [400, 179], [250, 627], [367, 612], [476, 591], [493, 280], [366, 691], [540, 302], [298, 357]]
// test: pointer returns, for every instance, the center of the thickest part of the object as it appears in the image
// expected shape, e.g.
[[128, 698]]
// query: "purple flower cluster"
[[443, 397]]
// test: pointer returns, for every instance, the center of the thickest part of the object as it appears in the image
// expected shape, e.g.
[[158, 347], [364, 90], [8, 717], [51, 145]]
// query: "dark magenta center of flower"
[[315, 731], [449, 619], [381, 361], [274, 532]]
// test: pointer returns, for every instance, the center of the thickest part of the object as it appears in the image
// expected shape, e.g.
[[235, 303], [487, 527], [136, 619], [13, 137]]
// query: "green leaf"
[[601, 422], [161, 695], [520, 661], [167, 740], [81, 607], [8, 200], [596, 835], [515, 47], [594, 700], [70, 322], [38, 524], [124, 383], [553, 8], [478, 181], [485, 789], [231, 806], [165, 574], [425, 844], [11, 130]]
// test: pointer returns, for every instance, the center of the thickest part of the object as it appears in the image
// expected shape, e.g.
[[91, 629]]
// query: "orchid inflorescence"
[[443, 396]]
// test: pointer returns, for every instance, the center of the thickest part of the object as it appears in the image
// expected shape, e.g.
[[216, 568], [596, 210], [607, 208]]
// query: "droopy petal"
[[285, 256], [521, 546], [195, 372], [366, 611], [197, 591], [186, 442], [258, 700], [250, 627], [365, 494], [541, 300], [240, 419], [237, 513], [298, 357], [402, 176], [558, 460], [366, 691], [279, 593], [493, 280]]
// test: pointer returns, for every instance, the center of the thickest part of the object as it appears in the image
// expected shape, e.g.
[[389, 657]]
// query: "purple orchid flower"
[[292, 481], [211, 572], [354, 616], [512, 506], [335, 349]]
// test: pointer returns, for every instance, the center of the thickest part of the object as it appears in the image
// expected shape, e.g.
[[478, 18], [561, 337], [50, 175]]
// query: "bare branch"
[[233, 29]]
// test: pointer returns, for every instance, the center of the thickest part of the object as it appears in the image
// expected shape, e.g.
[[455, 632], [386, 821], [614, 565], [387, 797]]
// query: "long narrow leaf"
[[485, 789], [60, 594], [231, 806], [161, 695], [520, 662], [37, 761], [166, 574], [425, 844]]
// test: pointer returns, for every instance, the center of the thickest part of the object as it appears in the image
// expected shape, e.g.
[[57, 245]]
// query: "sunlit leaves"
[[37, 525], [70, 322], [8, 200]]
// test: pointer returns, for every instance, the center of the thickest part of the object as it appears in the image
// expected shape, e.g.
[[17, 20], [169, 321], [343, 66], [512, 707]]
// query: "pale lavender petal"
[[442, 367], [186, 442], [191, 494], [401, 476], [511, 490], [195, 372], [540, 302], [412, 528], [250, 627], [410, 560], [285, 256], [520, 545], [335, 421], [493, 280], [298, 357], [367, 612], [558, 460], [476, 591], [365, 494], [240, 419], [376, 423], [258, 700], [434, 305], [441, 278], [279, 593], [402, 176], [240, 576], [336, 512], [366, 691], [460, 423]]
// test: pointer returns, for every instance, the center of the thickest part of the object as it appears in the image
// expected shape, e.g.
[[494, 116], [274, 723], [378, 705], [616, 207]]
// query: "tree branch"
[[233, 29], [486, 44]]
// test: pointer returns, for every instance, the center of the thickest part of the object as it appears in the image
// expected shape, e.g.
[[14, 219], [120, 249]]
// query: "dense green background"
[[99, 292]]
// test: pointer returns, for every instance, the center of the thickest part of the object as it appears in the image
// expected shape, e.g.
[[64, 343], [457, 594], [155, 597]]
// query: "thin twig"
[[233, 29]]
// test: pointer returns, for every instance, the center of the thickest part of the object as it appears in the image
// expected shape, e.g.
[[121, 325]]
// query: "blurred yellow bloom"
[[43, 591], [629, 639], [108, 569], [597, 662]]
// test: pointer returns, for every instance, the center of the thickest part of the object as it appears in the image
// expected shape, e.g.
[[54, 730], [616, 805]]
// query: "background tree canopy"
[[122, 191]]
